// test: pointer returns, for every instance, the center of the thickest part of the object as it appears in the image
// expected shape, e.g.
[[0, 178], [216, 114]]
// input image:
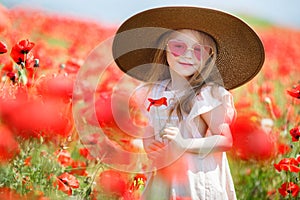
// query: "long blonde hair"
[[208, 73]]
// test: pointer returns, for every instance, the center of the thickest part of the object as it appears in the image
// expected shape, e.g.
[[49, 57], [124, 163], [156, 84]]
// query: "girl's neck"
[[178, 82]]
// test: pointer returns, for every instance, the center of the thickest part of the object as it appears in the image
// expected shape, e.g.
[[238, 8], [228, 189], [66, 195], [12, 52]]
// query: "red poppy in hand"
[[157, 102]]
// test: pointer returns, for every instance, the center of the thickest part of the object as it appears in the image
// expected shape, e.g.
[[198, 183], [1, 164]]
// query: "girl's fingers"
[[155, 146], [170, 132], [158, 144], [169, 137]]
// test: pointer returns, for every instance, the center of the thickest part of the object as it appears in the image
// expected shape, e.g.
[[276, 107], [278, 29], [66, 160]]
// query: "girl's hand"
[[173, 134], [154, 150]]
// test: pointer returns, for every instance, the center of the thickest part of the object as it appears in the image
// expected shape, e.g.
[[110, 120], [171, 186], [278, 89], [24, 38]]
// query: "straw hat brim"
[[240, 52]]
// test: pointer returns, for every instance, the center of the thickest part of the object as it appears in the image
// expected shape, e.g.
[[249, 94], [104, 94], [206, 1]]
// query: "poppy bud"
[[36, 63]]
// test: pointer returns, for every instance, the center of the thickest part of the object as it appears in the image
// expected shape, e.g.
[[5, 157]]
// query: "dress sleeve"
[[211, 97]]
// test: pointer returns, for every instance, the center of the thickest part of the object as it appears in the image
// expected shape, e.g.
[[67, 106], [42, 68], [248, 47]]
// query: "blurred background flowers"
[[43, 45]]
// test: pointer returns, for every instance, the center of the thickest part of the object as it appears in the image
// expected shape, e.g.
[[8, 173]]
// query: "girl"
[[188, 104]]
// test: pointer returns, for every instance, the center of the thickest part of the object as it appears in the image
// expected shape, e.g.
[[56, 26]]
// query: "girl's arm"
[[219, 141]]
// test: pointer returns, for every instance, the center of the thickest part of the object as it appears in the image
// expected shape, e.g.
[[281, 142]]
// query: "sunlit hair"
[[208, 73]]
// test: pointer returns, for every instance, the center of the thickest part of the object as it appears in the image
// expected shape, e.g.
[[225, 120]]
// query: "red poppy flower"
[[79, 168], [58, 87], [288, 164], [3, 48], [295, 133], [283, 148], [84, 152], [7, 64], [69, 179], [295, 92], [27, 59], [157, 102], [112, 182], [64, 158], [265, 90], [66, 182], [289, 188], [73, 65], [49, 118], [23, 46], [27, 161], [9, 194], [249, 140], [139, 181], [21, 52]]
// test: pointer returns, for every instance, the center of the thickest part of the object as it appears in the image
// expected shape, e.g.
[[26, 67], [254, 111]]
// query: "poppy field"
[[43, 156]]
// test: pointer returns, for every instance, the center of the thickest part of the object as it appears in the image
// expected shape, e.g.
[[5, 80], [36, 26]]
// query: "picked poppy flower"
[[3, 48], [295, 133], [289, 188], [288, 164], [295, 92], [157, 102]]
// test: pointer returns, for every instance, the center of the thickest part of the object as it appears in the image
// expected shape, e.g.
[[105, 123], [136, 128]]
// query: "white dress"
[[189, 175]]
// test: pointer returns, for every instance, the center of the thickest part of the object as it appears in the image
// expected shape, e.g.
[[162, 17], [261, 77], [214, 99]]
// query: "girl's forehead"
[[186, 35]]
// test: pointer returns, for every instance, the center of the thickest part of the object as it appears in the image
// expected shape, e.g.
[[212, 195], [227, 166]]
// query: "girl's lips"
[[186, 64]]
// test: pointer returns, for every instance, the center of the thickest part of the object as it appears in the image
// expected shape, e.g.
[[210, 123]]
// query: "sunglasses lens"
[[198, 51], [177, 48]]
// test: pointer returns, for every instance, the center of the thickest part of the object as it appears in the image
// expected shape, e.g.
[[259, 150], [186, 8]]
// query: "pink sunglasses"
[[179, 48]]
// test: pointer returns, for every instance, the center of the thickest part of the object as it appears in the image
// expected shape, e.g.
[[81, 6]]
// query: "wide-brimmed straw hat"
[[240, 52]]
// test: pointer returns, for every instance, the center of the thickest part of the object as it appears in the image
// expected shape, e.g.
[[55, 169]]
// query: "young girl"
[[188, 104]]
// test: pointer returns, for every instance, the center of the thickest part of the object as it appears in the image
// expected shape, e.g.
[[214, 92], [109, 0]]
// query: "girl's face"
[[186, 52]]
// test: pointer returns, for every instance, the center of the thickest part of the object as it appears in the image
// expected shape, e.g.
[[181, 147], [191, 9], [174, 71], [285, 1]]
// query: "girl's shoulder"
[[212, 92], [211, 96]]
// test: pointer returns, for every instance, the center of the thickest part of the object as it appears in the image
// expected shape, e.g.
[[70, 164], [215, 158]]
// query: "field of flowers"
[[42, 156]]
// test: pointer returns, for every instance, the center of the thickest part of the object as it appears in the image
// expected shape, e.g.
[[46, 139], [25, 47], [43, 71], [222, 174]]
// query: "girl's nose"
[[188, 53]]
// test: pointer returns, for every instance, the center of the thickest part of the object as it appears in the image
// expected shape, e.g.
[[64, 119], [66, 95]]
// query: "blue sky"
[[281, 12]]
